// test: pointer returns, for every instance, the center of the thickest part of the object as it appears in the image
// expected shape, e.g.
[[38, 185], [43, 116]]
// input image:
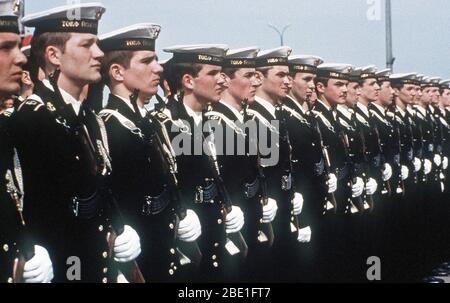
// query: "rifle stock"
[[265, 232], [129, 269], [189, 249]]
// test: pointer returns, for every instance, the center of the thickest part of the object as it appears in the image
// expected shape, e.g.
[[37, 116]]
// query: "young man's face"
[[426, 96], [276, 83], [8, 103], [243, 85], [386, 94], [81, 61], [336, 91], [303, 86], [209, 84], [406, 94], [370, 90], [11, 61], [435, 95], [419, 94], [144, 74], [353, 92], [445, 97]]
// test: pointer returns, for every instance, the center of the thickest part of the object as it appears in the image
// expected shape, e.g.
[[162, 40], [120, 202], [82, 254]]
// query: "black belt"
[[86, 208], [251, 189], [207, 193], [155, 205]]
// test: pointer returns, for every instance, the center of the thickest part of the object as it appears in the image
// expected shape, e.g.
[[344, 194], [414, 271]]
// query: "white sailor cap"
[[383, 75], [74, 18], [404, 78], [9, 12], [275, 56], [435, 81], [242, 57], [355, 75], [420, 77], [445, 84], [140, 36], [368, 72], [304, 63], [198, 53], [334, 71]]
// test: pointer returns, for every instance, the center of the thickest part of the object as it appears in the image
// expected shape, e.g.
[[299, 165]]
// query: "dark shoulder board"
[[33, 104], [160, 116]]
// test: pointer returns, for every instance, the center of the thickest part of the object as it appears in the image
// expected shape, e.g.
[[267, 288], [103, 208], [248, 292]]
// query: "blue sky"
[[337, 30]]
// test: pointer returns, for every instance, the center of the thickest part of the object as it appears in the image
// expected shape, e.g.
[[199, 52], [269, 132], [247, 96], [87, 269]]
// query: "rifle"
[[287, 167], [26, 248], [386, 185], [169, 167], [265, 232], [440, 176], [368, 198], [357, 201], [400, 187], [331, 198], [226, 205], [96, 171]]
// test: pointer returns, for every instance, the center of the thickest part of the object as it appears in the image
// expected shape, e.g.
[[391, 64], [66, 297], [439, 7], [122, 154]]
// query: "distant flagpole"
[[390, 59]]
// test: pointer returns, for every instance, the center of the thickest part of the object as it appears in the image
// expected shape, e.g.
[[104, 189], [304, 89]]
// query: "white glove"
[[445, 163], [437, 160], [269, 211], [358, 187], [404, 172], [332, 183], [39, 269], [304, 235], [234, 220], [386, 173], [426, 166], [297, 204], [127, 246], [371, 186], [417, 164], [189, 228]]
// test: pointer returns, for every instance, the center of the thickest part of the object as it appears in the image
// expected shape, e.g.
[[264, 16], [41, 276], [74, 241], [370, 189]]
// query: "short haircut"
[[321, 80], [41, 42], [174, 72], [264, 70], [122, 58], [230, 71]]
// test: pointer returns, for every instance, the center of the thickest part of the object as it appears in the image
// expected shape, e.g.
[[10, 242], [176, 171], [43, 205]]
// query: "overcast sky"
[[337, 30]]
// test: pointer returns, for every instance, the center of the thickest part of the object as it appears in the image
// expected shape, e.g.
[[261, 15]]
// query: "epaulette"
[[7, 112], [295, 114], [263, 120], [346, 125], [323, 119], [217, 116], [160, 116], [362, 119], [34, 102], [105, 115]]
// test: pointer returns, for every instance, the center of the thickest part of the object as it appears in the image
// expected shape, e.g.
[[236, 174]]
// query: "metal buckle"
[[286, 183], [199, 195], [146, 208], [75, 205]]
